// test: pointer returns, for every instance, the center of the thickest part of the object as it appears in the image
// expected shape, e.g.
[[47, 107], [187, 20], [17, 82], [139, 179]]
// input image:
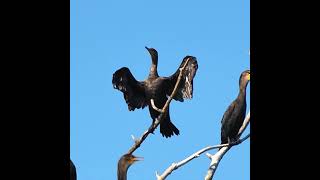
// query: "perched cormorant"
[[235, 114], [73, 171], [124, 163], [138, 94]]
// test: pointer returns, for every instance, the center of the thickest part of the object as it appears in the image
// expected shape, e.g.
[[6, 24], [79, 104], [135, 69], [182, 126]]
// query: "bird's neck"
[[242, 90], [154, 66], [122, 175], [242, 95]]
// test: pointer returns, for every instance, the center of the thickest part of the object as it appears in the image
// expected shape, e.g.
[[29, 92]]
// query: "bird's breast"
[[155, 89]]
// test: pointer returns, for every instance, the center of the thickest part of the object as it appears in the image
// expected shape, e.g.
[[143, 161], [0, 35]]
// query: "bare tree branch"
[[175, 166], [155, 107], [216, 158], [163, 111]]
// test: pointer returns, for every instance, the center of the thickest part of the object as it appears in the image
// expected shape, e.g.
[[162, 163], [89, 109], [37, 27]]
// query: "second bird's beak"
[[137, 159], [147, 48]]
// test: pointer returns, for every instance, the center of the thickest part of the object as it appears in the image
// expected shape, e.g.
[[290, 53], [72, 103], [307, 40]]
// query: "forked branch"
[[216, 158], [175, 166]]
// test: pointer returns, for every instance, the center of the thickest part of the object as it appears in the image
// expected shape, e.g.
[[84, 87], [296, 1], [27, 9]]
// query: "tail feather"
[[168, 129]]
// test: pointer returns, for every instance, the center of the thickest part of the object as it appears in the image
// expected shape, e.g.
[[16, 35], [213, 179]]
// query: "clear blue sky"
[[107, 35]]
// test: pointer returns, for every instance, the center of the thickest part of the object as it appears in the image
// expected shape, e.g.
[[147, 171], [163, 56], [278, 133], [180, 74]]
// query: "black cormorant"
[[235, 114], [73, 171], [124, 163], [138, 94]]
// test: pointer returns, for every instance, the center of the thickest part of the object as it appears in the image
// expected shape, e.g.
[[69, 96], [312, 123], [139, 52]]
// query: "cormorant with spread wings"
[[138, 94]]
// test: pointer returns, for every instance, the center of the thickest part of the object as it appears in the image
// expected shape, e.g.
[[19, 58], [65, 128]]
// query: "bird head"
[[154, 54], [127, 160], [245, 77], [124, 163]]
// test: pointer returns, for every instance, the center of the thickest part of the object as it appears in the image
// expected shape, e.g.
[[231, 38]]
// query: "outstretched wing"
[[185, 88], [133, 90]]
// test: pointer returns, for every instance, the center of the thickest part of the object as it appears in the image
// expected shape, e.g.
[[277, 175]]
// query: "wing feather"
[[185, 88], [133, 90]]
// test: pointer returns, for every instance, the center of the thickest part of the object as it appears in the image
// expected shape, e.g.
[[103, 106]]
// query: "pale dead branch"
[[216, 158], [175, 166]]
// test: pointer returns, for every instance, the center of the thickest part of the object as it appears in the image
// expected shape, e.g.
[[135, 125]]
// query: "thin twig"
[[165, 107], [164, 110]]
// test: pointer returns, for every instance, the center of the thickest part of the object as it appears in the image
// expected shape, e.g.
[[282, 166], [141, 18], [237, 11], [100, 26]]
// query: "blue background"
[[107, 35]]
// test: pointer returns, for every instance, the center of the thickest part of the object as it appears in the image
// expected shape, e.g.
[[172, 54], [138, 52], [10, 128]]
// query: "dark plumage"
[[124, 163], [138, 94], [234, 116], [73, 171]]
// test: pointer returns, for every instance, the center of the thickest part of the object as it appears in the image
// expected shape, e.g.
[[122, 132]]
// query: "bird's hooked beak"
[[147, 48], [248, 76]]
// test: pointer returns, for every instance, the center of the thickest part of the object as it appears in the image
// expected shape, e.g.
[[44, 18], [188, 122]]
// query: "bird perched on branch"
[[73, 172], [124, 163], [138, 94], [234, 116]]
